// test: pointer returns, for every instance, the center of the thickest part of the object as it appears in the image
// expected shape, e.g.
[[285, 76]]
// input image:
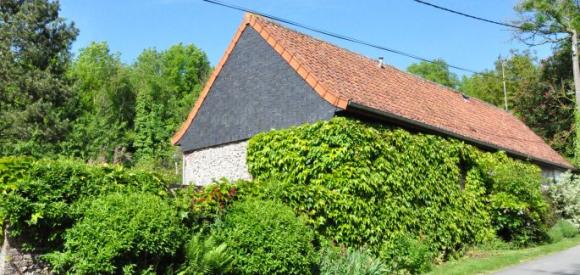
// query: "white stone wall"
[[203, 166]]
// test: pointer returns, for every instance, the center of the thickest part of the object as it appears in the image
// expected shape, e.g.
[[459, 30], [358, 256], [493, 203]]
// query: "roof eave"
[[403, 121]]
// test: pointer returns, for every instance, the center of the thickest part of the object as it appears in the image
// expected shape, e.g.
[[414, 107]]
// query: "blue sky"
[[129, 26]]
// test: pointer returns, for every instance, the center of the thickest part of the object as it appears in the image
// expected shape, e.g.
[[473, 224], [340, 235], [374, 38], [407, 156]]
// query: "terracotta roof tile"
[[351, 77]]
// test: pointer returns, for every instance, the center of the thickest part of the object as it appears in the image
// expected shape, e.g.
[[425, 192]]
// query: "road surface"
[[566, 262]]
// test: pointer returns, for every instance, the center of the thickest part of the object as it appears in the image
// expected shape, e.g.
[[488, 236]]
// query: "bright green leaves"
[[360, 183]]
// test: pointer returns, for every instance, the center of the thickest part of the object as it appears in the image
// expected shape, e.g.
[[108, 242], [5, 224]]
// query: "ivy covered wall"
[[362, 184]]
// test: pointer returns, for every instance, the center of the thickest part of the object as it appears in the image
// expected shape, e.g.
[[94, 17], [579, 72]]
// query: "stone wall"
[[14, 261], [229, 161]]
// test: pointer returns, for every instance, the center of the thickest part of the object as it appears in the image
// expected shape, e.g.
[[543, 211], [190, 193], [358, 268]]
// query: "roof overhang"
[[355, 108]]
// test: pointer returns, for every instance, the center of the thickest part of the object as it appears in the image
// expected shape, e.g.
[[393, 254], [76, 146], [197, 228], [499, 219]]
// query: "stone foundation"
[[203, 166], [14, 261]]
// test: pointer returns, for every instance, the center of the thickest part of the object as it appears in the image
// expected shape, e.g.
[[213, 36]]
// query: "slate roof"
[[351, 81]]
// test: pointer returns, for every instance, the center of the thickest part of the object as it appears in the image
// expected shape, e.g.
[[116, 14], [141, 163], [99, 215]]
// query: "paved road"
[[566, 262]]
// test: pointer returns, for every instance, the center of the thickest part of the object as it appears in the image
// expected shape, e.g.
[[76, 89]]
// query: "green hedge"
[[266, 237], [121, 232], [364, 184], [38, 196]]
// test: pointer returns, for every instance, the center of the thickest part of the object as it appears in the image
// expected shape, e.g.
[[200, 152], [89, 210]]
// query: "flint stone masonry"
[[228, 161], [14, 261]]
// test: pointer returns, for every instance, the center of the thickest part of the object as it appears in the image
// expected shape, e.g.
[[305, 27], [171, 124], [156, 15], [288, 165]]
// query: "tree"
[[167, 84], [548, 21], [437, 71], [35, 98], [107, 106], [548, 106], [521, 72]]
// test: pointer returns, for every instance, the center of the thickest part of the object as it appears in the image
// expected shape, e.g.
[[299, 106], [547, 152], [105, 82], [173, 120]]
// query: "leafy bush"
[[121, 231], [204, 256], [266, 237], [337, 261], [36, 201], [360, 183], [406, 255], [565, 195], [562, 229], [517, 206]]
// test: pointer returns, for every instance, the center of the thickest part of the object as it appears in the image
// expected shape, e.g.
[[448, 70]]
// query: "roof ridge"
[[450, 89]]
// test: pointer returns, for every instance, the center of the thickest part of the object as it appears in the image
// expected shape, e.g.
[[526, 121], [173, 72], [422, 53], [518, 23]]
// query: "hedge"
[[363, 184], [37, 197], [121, 232]]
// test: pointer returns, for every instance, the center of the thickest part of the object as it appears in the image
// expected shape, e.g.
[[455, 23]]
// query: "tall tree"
[[437, 71], [107, 106], [548, 106], [35, 98], [167, 83], [520, 70], [547, 21]]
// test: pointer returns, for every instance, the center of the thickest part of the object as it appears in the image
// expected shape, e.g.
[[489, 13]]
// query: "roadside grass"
[[479, 261]]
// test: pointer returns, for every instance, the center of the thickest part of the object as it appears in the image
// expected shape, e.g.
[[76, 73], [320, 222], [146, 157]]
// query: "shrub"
[[337, 261], [517, 206], [37, 200], [406, 255], [266, 237], [562, 229], [360, 183], [565, 195], [204, 256], [119, 232]]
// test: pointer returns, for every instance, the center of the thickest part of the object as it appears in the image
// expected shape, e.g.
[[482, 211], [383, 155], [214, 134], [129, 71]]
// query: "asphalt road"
[[566, 262]]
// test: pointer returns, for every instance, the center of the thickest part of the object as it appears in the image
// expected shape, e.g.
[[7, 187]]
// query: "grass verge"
[[485, 261]]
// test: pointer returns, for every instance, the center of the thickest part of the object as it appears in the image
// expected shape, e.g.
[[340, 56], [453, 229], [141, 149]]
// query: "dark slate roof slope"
[[345, 79]]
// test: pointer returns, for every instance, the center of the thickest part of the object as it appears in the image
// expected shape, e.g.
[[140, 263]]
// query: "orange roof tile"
[[346, 79]]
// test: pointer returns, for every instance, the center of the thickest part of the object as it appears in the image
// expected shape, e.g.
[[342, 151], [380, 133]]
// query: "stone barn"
[[272, 77]]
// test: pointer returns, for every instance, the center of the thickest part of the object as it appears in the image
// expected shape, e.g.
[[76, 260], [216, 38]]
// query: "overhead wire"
[[351, 39]]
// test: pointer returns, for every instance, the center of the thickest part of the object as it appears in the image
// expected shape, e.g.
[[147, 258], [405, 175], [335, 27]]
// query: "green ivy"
[[364, 184]]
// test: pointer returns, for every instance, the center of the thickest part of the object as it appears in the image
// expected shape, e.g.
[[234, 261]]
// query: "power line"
[[469, 15], [336, 35], [350, 39]]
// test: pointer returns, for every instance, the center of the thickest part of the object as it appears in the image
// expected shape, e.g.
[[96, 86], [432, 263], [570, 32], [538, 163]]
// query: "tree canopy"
[[437, 71], [35, 97]]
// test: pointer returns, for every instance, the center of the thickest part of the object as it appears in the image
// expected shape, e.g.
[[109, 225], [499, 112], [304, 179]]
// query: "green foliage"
[[360, 184], [406, 255], [437, 71], [120, 232], [562, 229], [266, 237], [565, 196], [363, 184], [35, 98], [542, 20], [338, 261], [517, 206], [37, 201], [168, 82], [106, 106], [204, 256]]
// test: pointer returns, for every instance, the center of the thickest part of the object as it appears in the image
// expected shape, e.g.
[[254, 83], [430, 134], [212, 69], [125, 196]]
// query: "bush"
[[406, 255], [360, 183], [204, 256], [517, 206], [565, 195], [119, 232], [266, 237], [337, 261], [562, 229], [37, 195]]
